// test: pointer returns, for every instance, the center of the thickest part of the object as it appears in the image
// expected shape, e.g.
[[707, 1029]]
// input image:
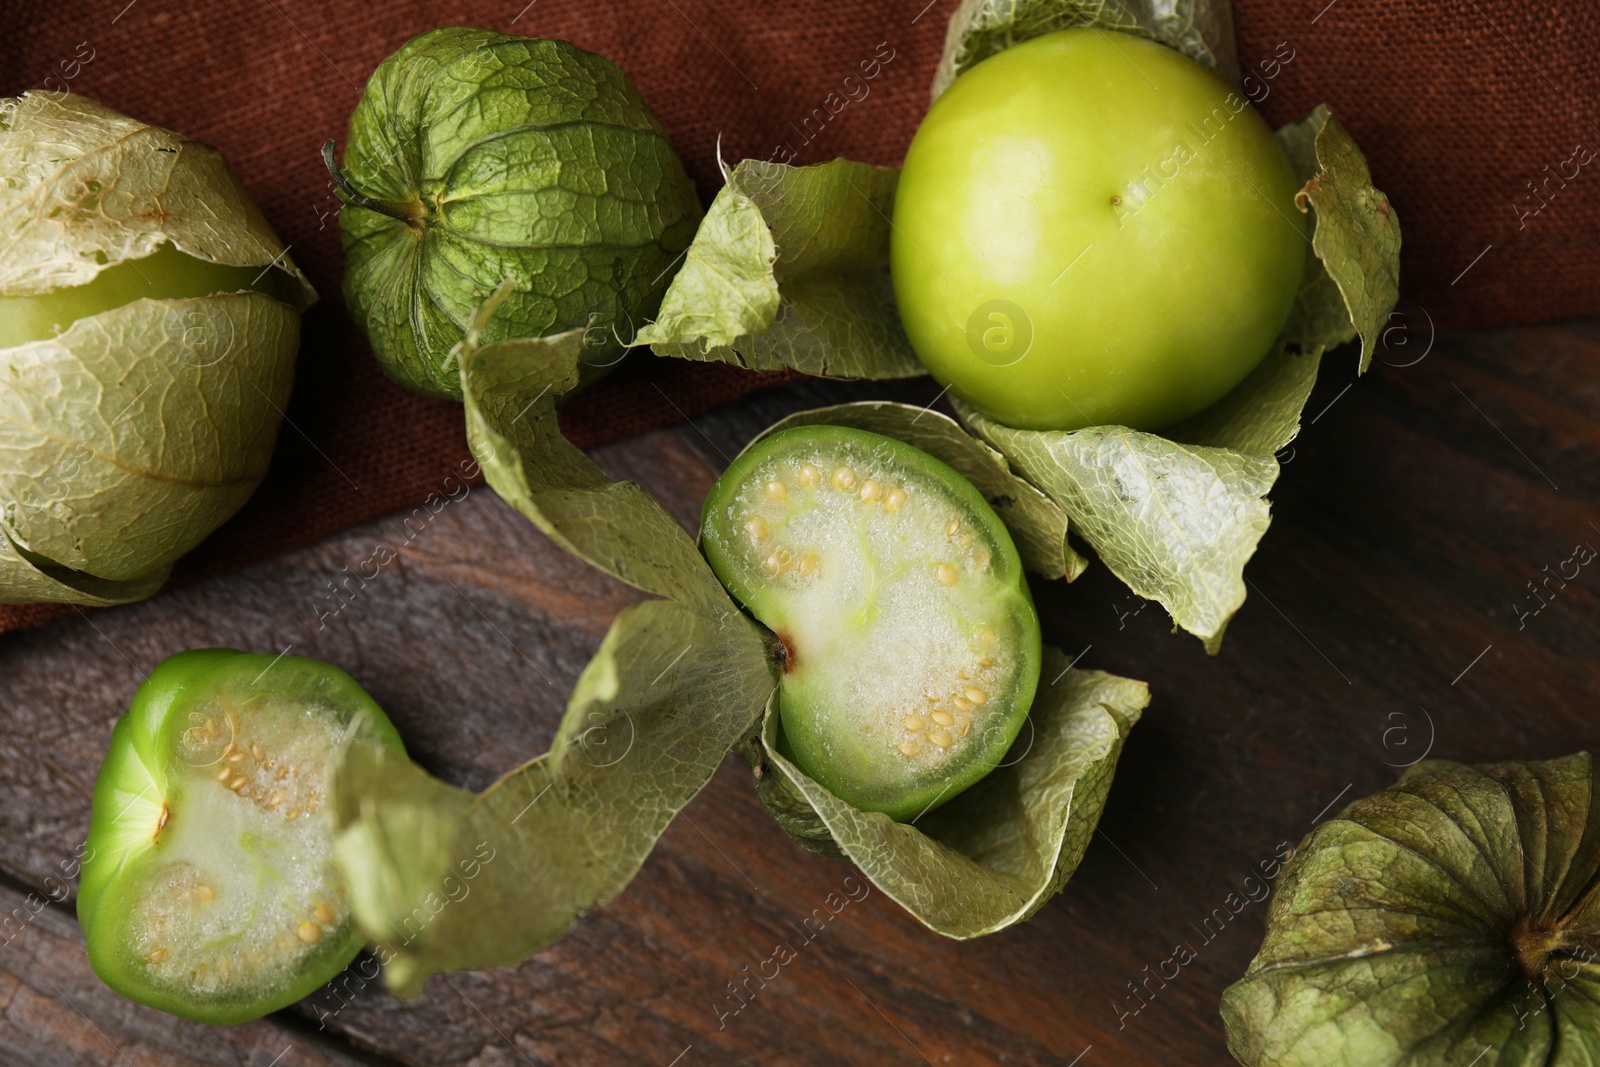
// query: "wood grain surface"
[[1390, 615]]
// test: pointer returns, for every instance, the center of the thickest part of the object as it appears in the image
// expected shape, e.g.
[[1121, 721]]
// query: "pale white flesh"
[[244, 888], [901, 638]]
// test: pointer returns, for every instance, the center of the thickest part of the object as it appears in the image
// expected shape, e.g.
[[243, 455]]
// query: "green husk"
[[993, 856], [788, 271], [476, 156], [1450, 919], [1200, 29], [675, 684]]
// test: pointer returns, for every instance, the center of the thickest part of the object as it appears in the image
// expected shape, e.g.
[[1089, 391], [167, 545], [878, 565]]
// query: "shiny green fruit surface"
[[912, 642], [1092, 229], [209, 888], [165, 274]]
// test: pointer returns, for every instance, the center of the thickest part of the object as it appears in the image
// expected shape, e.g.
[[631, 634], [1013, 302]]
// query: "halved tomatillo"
[[211, 891], [912, 642]]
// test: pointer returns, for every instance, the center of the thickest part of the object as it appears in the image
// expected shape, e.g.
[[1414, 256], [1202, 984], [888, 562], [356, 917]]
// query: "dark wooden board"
[[1381, 624]]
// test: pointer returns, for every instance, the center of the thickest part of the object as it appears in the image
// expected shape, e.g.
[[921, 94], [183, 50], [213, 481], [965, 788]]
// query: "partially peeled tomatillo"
[[165, 274], [211, 891], [912, 645], [149, 319]]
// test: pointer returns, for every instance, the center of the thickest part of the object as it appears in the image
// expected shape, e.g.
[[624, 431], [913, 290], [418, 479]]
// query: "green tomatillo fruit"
[[1092, 229], [476, 156], [149, 320], [912, 646], [165, 274], [210, 889]]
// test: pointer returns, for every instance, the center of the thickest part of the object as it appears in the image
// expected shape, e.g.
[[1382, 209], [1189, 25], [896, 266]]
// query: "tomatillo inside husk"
[[475, 157], [149, 319]]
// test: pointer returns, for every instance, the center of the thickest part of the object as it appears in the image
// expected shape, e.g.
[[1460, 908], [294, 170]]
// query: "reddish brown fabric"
[[1458, 107]]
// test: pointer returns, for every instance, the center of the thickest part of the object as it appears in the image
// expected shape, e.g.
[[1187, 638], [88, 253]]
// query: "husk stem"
[[411, 212]]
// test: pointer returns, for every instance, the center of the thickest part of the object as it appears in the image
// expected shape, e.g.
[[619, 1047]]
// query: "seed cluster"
[[242, 890], [950, 715], [768, 512], [185, 905], [245, 768]]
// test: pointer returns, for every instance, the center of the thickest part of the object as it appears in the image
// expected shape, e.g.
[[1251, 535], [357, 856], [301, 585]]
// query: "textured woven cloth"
[[1473, 117]]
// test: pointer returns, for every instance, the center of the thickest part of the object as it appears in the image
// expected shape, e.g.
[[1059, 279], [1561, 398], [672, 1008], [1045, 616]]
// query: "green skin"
[[140, 804], [874, 633], [1091, 229], [165, 274]]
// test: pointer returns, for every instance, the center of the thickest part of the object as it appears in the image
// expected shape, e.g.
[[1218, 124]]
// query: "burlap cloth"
[[1463, 108]]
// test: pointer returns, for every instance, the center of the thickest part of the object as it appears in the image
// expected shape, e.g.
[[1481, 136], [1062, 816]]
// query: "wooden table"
[[1389, 611]]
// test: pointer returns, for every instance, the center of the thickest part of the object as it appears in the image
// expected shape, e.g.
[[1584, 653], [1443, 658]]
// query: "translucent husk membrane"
[[151, 319]]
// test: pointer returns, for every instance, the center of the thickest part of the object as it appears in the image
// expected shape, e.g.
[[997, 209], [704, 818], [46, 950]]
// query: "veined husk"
[[134, 433]]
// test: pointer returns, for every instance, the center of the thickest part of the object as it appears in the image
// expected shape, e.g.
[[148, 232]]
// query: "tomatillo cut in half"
[[1092, 229], [912, 645], [210, 890]]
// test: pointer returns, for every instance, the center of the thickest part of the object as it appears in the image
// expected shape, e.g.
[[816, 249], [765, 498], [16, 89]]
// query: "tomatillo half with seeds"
[[912, 642], [211, 891]]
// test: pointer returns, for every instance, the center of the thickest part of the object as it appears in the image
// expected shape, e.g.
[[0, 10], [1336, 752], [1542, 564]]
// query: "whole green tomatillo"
[[912, 645], [1093, 229], [476, 156], [210, 889]]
